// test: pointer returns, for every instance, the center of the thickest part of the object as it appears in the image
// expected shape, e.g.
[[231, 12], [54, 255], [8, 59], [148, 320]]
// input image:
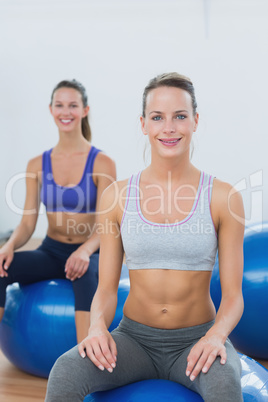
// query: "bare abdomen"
[[70, 228], [169, 298]]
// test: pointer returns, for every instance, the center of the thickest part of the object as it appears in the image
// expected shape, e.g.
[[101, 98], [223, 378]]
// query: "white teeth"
[[66, 121], [170, 141]]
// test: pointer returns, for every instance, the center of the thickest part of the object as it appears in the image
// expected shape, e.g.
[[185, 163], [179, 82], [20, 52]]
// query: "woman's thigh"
[[33, 266], [220, 383], [72, 378]]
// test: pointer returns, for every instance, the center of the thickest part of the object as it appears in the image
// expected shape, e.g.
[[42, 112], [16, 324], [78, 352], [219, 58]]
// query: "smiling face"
[[169, 121], [67, 109]]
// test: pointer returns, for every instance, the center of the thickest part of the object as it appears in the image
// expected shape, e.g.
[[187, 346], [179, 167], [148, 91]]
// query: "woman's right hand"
[[100, 347], [6, 256]]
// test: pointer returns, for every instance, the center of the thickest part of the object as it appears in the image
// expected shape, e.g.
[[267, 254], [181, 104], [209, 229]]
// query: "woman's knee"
[[84, 290], [222, 382], [62, 368], [66, 380]]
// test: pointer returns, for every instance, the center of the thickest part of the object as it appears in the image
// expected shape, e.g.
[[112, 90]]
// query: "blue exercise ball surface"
[[144, 391], [251, 334], [39, 323], [254, 381]]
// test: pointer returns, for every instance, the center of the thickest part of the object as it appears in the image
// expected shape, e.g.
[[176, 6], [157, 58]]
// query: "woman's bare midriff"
[[70, 228], [169, 299]]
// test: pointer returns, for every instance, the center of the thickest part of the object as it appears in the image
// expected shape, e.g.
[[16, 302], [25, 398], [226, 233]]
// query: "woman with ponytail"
[[69, 179], [171, 218]]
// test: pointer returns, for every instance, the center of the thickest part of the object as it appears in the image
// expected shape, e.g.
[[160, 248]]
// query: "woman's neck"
[[71, 142], [177, 169]]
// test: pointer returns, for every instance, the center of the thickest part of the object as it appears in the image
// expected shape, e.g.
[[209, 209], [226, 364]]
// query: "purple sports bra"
[[80, 198]]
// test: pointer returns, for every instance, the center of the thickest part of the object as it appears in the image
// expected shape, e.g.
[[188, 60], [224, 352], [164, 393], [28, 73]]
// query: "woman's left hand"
[[77, 264], [203, 354]]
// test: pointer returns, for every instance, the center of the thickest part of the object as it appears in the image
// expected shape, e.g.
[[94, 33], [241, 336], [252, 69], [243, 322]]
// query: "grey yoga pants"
[[146, 353]]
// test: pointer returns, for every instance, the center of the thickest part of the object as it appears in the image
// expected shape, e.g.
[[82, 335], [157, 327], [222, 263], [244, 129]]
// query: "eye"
[[73, 106], [58, 105], [181, 116], [156, 118]]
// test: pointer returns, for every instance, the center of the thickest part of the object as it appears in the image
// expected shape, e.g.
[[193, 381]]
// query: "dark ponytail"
[[86, 130]]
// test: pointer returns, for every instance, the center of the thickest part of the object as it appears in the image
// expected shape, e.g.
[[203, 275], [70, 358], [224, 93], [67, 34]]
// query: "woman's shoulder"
[[117, 187], [113, 197], [222, 188], [103, 162], [35, 164], [225, 196], [116, 191]]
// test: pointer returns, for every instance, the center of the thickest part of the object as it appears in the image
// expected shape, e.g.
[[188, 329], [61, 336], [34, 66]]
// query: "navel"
[[164, 310]]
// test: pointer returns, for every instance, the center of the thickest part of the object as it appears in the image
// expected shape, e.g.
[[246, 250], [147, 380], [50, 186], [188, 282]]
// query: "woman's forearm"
[[228, 316], [103, 308], [20, 236], [92, 244]]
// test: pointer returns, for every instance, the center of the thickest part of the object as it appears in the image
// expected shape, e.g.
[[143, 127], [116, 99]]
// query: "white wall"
[[114, 48]]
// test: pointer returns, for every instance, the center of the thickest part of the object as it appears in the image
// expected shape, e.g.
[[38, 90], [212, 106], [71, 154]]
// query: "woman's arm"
[[228, 207], [99, 344], [25, 229], [104, 174]]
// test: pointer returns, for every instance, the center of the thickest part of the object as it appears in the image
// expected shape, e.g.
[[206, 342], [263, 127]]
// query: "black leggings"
[[48, 262]]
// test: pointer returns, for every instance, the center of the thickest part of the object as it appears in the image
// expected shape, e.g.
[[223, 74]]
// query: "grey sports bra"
[[189, 245]]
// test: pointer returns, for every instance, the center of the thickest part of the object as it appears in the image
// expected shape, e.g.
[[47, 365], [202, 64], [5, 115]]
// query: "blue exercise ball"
[[254, 381], [39, 323], [144, 391], [251, 334]]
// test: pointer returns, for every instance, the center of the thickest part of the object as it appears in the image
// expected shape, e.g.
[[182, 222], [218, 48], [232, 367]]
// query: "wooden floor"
[[17, 386]]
